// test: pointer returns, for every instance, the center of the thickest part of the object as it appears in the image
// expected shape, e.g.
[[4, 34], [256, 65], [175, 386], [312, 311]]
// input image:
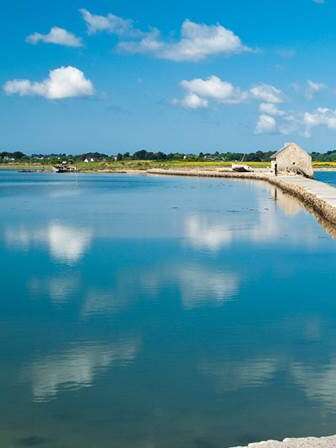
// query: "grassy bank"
[[145, 165], [130, 165]]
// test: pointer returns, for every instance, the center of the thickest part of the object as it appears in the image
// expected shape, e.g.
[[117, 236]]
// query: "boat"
[[64, 169], [241, 168]]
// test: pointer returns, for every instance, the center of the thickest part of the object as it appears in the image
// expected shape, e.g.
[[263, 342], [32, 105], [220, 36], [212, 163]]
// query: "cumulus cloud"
[[270, 109], [312, 88], [197, 40], [56, 35], [322, 116], [267, 93], [214, 88], [273, 120], [202, 93], [266, 125], [192, 101], [110, 23], [199, 93], [63, 82]]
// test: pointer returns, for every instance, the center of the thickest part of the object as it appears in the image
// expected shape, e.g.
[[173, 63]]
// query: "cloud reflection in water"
[[77, 367], [264, 224], [234, 375], [59, 289], [198, 285], [318, 382], [65, 243]]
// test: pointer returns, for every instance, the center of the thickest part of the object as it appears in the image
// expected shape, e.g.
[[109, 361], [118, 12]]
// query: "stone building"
[[292, 159]]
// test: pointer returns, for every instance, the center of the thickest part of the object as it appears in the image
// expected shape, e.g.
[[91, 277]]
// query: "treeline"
[[258, 156], [329, 156], [142, 154]]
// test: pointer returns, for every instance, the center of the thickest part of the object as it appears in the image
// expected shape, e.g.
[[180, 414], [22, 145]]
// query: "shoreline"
[[27, 167]]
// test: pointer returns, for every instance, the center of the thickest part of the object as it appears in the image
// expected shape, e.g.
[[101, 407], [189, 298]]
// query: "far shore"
[[135, 166]]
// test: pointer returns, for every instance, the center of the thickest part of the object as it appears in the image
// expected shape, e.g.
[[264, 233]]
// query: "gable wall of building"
[[293, 159]]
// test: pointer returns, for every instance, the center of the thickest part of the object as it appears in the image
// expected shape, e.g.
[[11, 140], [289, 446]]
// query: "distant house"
[[292, 159]]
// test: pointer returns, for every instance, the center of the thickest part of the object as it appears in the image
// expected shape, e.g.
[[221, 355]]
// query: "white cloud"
[[216, 89], [322, 116], [313, 88], [270, 109], [285, 122], [197, 40], [63, 82], [150, 43], [223, 92], [275, 120], [201, 93], [56, 35], [110, 23], [266, 125], [267, 93], [192, 101]]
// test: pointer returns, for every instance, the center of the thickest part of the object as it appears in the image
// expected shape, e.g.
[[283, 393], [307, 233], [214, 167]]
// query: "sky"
[[174, 76]]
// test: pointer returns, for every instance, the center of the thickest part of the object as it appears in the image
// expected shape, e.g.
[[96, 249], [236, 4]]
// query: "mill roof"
[[287, 145]]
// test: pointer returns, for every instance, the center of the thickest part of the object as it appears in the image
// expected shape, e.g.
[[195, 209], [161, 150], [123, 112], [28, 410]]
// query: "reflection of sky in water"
[[76, 367], [145, 311], [64, 243]]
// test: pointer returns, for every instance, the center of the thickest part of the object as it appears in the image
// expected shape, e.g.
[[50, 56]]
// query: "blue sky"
[[115, 76]]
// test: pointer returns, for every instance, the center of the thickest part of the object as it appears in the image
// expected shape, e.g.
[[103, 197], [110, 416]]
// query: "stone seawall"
[[316, 196]]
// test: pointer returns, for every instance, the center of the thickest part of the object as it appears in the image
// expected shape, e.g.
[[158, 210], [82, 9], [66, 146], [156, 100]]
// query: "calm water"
[[161, 312], [326, 176]]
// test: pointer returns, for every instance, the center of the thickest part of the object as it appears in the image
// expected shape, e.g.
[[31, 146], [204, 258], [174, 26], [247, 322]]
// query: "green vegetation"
[[144, 160], [127, 165]]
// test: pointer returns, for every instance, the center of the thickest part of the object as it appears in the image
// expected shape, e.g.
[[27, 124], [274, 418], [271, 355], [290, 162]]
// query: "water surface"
[[140, 311], [326, 176]]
